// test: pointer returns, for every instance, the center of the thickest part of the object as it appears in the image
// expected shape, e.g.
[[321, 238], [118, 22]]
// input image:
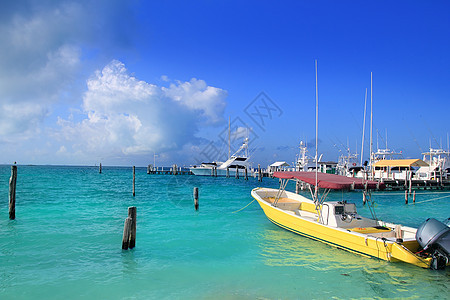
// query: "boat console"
[[344, 215]]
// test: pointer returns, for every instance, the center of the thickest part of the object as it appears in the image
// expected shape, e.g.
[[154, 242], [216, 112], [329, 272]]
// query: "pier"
[[399, 184], [174, 170]]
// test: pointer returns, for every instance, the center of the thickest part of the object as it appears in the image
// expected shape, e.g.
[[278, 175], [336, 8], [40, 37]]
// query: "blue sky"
[[83, 82]]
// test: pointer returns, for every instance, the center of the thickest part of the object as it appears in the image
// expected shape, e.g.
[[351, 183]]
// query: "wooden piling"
[[196, 198], [410, 182], [129, 229], [100, 168], [132, 212], [245, 174], [237, 172], [406, 197], [126, 233], [134, 181], [259, 173], [12, 193], [414, 197], [297, 187], [228, 172]]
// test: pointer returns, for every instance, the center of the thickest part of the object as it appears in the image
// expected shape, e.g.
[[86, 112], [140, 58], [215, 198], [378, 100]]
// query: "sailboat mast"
[[229, 136], [371, 122], [317, 129], [364, 128]]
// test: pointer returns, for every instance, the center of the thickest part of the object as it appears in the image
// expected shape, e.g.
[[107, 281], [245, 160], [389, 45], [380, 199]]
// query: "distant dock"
[[176, 170], [400, 184], [173, 170]]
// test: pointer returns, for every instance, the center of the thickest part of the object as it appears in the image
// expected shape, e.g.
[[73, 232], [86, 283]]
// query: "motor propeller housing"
[[434, 237]]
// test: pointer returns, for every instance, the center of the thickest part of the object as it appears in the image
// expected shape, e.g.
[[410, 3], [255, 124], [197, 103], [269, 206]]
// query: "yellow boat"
[[338, 223]]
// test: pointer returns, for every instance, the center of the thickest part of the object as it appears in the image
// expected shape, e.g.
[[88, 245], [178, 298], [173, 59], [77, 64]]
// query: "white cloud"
[[196, 95], [127, 116], [41, 51]]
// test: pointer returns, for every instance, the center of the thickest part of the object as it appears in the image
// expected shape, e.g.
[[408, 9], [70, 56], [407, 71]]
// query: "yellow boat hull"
[[353, 241]]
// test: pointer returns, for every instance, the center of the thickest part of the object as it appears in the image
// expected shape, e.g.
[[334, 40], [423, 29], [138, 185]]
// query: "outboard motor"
[[434, 237]]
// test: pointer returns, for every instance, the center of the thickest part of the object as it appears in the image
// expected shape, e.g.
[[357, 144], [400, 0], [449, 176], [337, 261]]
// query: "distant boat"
[[438, 168], [238, 162]]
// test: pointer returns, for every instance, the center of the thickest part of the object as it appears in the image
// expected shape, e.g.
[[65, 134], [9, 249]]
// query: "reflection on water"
[[281, 248], [284, 248]]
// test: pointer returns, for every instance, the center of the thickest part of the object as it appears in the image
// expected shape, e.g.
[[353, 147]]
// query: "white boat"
[[438, 168], [348, 165], [304, 162], [238, 162]]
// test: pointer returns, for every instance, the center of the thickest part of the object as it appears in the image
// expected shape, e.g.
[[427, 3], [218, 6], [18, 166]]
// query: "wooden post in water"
[[259, 173], [406, 180], [297, 187], [100, 169], [196, 198], [132, 212], [406, 196], [245, 174], [134, 180], [126, 233], [414, 197], [410, 182], [129, 229], [12, 193], [228, 172], [237, 172]]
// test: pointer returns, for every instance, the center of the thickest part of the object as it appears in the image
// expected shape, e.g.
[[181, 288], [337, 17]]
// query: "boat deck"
[[307, 211]]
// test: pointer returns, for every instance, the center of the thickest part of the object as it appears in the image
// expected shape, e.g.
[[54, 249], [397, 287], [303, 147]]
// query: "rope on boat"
[[431, 199], [243, 207]]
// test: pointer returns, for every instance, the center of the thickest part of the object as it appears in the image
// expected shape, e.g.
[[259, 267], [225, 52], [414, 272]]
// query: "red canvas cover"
[[329, 181]]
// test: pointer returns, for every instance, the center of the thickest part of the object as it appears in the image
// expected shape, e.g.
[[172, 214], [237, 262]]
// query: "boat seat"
[[288, 205], [309, 207]]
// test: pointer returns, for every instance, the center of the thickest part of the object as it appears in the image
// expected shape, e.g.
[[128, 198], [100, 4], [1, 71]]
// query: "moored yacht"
[[238, 162], [438, 168]]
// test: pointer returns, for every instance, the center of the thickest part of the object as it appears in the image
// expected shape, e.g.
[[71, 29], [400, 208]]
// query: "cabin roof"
[[329, 181], [400, 163], [280, 164]]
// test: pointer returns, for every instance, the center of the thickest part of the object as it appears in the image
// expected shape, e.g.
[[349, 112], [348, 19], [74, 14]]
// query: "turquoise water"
[[66, 242]]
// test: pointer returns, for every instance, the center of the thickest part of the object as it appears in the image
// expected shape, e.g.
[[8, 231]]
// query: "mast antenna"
[[371, 121], [317, 130], [229, 137], [364, 127]]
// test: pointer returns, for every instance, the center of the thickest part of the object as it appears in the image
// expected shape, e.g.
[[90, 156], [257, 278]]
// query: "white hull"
[[220, 172]]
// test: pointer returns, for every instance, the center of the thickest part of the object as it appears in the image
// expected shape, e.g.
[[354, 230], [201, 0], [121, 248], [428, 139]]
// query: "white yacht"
[[238, 162], [439, 165], [305, 162]]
